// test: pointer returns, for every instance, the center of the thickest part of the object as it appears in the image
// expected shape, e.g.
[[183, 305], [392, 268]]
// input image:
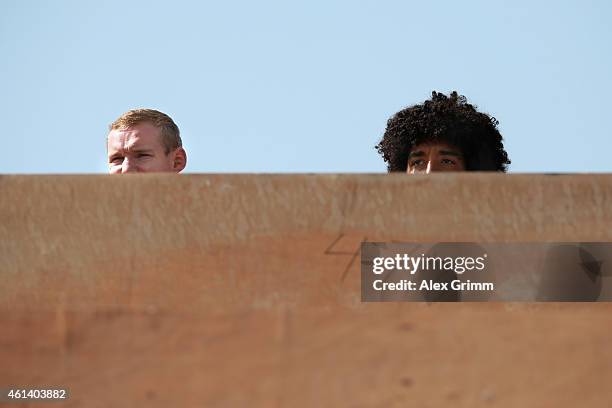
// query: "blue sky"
[[300, 86]]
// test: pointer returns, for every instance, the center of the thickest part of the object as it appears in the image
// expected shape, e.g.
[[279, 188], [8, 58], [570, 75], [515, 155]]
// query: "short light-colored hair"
[[170, 134]]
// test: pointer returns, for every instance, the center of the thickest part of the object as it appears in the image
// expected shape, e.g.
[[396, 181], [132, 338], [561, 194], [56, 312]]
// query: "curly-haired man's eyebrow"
[[420, 153], [450, 153]]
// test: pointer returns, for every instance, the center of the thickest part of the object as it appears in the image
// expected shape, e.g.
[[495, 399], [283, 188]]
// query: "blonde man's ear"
[[180, 160]]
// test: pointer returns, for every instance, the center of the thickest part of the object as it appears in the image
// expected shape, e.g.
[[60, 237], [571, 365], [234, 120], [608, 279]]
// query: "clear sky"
[[261, 86]]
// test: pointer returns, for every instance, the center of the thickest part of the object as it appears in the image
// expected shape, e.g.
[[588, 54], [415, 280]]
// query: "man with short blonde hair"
[[145, 140]]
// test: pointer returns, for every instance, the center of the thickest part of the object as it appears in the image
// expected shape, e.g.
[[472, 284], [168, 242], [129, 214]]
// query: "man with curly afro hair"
[[444, 133]]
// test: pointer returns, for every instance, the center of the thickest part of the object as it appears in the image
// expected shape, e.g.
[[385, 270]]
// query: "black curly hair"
[[448, 119]]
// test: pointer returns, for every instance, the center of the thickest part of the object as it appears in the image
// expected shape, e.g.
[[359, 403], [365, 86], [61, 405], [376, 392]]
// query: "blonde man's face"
[[139, 149]]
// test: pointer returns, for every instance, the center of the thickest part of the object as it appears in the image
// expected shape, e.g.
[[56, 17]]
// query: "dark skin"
[[435, 157]]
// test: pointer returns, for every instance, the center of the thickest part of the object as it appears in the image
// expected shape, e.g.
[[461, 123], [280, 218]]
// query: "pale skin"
[[139, 149], [435, 157]]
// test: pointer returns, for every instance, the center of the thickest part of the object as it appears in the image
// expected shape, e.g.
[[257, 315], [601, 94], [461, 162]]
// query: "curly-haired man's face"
[[433, 157]]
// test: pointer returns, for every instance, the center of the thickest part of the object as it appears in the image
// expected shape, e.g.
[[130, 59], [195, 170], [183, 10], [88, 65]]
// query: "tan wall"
[[243, 290]]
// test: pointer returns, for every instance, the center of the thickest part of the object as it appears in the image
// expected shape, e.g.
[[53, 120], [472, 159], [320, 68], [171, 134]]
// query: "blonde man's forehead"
[[131, 126], [134, 136]]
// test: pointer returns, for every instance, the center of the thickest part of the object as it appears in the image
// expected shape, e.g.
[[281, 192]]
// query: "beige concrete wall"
[[243, 290]]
